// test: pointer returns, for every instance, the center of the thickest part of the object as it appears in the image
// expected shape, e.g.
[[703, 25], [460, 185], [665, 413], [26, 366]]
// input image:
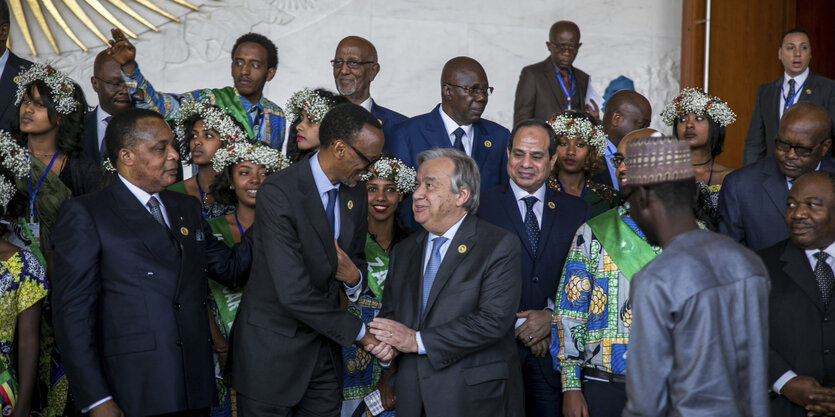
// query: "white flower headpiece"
[[7, 191], [315, 105], [61, 86], [13, 156], [692, 100], [395, 170], [567, 125], [214, 118], [245, 150]]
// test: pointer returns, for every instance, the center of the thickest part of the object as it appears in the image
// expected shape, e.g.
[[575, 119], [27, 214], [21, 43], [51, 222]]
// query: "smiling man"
[[752, 202], [254, 63]]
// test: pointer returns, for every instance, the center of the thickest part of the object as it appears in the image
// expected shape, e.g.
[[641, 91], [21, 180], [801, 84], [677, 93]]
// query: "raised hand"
[[122, 51]]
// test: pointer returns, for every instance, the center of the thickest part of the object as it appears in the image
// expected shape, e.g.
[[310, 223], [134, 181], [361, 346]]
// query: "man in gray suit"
[[450, 311]]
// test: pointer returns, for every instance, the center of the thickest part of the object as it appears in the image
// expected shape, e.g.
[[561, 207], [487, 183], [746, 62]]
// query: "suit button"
[[209, 339], [535, 280], [177, 306], [826, 351], [179, 342], [150, 275]]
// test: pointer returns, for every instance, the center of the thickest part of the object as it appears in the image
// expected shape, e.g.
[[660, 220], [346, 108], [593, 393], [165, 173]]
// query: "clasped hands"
[[386, 338], [808, 393]]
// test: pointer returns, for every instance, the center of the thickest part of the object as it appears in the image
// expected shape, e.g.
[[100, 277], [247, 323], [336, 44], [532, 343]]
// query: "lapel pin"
[[184, 231], [488, 144], [181, 217], [551, 205], [350, 205], [808, 91], [462, 248], [381, 122]]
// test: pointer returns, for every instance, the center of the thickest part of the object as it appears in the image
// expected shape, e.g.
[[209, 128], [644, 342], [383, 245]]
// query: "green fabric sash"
[[227, 99], [628, 251], [32, 247], [227, 299], [378, 265]]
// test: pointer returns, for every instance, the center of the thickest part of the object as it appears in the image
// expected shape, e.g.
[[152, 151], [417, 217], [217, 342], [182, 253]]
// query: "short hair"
[[344, 121], [715, 135], [121, 131], [70, 126], [4, 13], [828, 175], [272, 51], [466, 175], [552, 136], [794, 30], [676, 195]]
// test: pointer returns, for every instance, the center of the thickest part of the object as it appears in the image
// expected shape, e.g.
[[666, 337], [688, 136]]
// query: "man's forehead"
[[353, 48], [260, 53], [795, 39]]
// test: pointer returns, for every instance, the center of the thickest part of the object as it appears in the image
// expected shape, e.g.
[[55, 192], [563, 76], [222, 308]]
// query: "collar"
[[368, 103], [4, 59], [799, 79], [323, 183], [450, 233], [101, 114], [246, 102], [519, 193], [450, 125], [810, 253], [790, 180], [139, 193]]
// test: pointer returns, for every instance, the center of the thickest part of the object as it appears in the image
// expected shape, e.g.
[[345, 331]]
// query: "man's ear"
[[463, 196]]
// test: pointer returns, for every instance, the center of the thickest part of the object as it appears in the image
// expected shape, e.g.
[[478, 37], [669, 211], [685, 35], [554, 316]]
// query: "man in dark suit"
[[129, 282], [450, 301], [752, 202], [554, 85], [310, 227], [797, 84], [354, 68], [801, 369], [113, 96], [10, 66], [626, 111], [546, 230]]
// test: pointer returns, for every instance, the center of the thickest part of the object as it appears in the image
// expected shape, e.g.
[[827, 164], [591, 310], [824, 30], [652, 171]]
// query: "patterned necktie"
[[531, 224], [459, 144], [431, 270], [156, 211], [824, 276], [329, 210], [566, 81], [255, 114], [103, 147], [789, 97]]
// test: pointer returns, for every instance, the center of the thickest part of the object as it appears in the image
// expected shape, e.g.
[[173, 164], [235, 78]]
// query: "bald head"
[[369, 52], [108, 84], [563, 26], [626, 111], [620, 172], [355, 83], [463, 90], [810, 117], [458, 65]]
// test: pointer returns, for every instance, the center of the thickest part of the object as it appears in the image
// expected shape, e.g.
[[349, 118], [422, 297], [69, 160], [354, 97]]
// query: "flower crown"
[[245, 150], [61, 86], [214, 118], [395, 170], [569, 125], [7, 191], [13, 156], [692, 100], [315, 105]]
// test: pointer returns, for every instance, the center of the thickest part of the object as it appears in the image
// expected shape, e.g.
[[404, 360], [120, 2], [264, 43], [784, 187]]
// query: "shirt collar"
[[3, 60], [101, 114], [790, 180], [137, 192], [450, 125], [368, 103], [810, 253], [519, 193], [323, 184], [799, 79], [450, 233]]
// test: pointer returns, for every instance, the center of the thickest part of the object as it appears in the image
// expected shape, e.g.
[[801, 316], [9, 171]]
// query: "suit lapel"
[[412, 286], [511, 210], [482, 143], [808, 87], [461, 246], [312, 205], [7, 82], [179, 232], [549, 218], [551, 80], [775, 186], [156, 237], [772, 111], [796, 266], [346, 216], [435, 133]]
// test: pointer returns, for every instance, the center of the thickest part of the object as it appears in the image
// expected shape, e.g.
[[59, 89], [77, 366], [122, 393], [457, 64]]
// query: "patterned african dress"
[[593, 315], [707, 209], [600, 197], [361, 370], [210, 211], [22, 285]]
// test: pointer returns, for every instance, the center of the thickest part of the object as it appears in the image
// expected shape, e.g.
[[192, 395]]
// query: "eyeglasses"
[[474, 91], [367, 161], [801, 151], [616, 161], [570, 47], [113, 85], [337, 63]]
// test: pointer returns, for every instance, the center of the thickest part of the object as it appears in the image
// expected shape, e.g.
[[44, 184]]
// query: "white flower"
[[7, 191], [213, 118], [393, 169], [13, 156], [570, 126], [255, 152], [315, 105], [61, 86], [694, 101]]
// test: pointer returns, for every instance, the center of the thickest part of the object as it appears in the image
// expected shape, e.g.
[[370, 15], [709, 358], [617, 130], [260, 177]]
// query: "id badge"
[[35, 228]]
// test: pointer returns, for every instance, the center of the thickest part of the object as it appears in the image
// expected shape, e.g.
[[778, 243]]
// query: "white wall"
[[637, 38]]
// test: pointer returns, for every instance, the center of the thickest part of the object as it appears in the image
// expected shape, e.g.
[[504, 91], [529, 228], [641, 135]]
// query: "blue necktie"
[[459, 133], [431, 270], [531, 224], [329, 210]]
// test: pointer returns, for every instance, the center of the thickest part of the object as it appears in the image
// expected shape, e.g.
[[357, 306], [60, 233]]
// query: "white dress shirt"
[[3, 60], [520, 194], [798, 85], [451, 125], [101, 126], [367, 103]]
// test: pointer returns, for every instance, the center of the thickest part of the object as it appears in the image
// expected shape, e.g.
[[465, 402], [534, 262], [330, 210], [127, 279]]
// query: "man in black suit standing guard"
[[129, 282], [801, 357], [10, 66], [310, 232]]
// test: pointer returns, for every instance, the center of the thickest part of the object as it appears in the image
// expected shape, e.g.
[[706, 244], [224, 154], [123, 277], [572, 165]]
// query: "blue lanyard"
[[38, 187], [582, 192], [568, 93], [788, 101], [240, 229]]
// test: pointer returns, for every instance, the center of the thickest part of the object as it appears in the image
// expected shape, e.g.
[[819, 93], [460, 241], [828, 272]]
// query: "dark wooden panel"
[[814, 16]]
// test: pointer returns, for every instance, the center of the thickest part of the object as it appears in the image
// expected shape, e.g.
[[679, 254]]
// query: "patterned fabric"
[[531, 224], [658, 160], [593, 315], [707, 209], [824, 276], [600, 197]]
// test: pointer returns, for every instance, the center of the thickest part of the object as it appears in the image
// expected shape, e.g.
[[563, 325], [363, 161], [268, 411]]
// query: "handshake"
[[386, 338]]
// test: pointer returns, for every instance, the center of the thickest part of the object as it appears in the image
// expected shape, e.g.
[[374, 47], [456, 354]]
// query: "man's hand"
[[107, 409], [593, 110], [395, 334], [540, 349], [536, 328], [386, 389], [346, 271], [574, 404], [823, 404], [122, 51], [801, 389]]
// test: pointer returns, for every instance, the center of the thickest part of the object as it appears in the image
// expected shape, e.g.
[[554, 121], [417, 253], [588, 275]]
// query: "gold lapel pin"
[[184, 231], [551, 205], [350, 205], [488, 144], [808, 91], [462, 248]]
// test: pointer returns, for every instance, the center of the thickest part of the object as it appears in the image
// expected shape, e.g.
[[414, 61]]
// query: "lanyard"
[[240, 229], [789, 102], [33, 194], [568, 92]]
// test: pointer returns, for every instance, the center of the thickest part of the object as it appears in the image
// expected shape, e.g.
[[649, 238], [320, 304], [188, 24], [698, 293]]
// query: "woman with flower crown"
[[307, 108], [700, 119], [580, 146], [388, 182]]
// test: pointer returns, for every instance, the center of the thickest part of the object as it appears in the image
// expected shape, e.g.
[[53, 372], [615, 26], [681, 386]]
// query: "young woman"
[[580, 145], [308, 108]]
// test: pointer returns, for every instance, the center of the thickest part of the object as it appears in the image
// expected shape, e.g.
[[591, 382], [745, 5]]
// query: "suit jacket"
[[801, 330], [562, 215], [752, 203], [90, 137], [388, 118], [129, 299], [290, 307], [539, 95], [765, 119], [471, 366], [8, 89]]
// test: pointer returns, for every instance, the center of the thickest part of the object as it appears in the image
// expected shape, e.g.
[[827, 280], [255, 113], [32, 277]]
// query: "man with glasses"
[[554, 85], [752, 203], [626, 111], [310, 231], [113, 98], [354, 68]]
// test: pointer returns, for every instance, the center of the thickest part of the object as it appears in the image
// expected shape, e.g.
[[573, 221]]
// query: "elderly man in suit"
[[752, 202], [10, 66], [545, 221], [310, 229], [450, 301], [113, 98], [801, 369], [129, 282], [797, 84]]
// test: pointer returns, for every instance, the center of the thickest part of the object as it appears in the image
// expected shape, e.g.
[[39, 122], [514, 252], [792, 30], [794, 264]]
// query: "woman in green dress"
[[580, 145], [388, 181]]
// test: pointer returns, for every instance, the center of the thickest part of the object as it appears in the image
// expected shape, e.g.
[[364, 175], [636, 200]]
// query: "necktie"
[[329, 210], [255, 114], [789, 97], [531, 224], [566, 81], [156, 211], [459, 144], [824, 276], [103, 147], [431, 270]]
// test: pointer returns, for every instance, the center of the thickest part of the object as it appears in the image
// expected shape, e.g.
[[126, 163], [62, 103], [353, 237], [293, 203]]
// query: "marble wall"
[[638, 38]]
